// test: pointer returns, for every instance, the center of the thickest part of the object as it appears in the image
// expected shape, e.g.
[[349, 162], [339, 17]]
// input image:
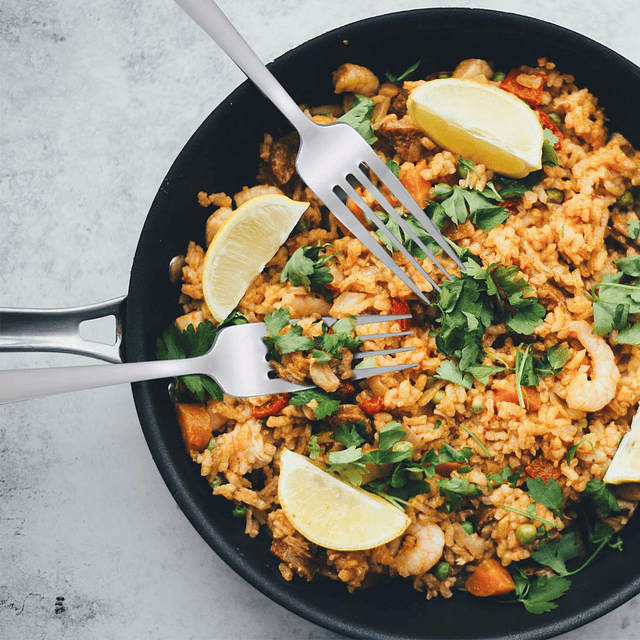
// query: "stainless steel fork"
[[332, 158], [237, 361]]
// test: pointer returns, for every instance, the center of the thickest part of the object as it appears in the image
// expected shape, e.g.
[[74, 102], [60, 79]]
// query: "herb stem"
[[475, 437], [526, 515]]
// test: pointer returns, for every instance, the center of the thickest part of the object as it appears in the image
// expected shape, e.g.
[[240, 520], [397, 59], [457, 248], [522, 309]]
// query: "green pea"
[[555, 118], [468, 527], [526, 533], [554, 195], [439, 396], [212, 443], [403, 445], [498, 76], [443, 569], [215, 482], [626, 199], [239, 511]]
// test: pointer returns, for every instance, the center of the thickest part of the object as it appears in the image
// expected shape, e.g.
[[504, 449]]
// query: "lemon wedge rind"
[[625, 466], [481, 122], [243, 245], [332, 513]]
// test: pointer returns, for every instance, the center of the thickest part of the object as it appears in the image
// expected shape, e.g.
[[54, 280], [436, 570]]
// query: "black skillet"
[[223, 156]]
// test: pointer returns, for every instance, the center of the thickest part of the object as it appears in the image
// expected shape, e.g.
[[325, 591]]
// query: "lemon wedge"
[[243, 245], [331, 513], [480, 122], [625, 466]]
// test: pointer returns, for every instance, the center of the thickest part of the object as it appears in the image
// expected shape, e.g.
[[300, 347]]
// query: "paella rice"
[[562, 231]]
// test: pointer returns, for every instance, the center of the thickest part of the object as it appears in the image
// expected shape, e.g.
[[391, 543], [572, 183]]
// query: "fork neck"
[[210, 18]]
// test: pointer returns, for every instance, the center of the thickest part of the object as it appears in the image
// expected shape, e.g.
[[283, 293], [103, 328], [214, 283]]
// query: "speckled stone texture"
[[96, 100]]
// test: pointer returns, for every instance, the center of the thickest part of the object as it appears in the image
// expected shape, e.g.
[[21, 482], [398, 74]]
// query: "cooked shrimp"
[[248, 193], [352, 78], [422, 547], [594, 394], [473, 69]]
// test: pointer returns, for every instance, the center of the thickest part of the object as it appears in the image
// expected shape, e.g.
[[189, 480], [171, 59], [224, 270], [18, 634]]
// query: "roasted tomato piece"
[[276, 403], [543, 468], [531, 94], [373, 406]]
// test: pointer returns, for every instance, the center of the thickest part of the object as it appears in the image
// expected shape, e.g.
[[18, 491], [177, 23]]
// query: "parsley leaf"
[[306, 268], [633, 229], [450, 371], [548, 493], [359, 117], [326, 405], [613, 302], [193, 342], [349, 435], [603, 497], [288, 342], [629, 266], [539, 595], [340, 336], [556, 553], [313, 447], [553, 361], [549, 155], [455, 490]]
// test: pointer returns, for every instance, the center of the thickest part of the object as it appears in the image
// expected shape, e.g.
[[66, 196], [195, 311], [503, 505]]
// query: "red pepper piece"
[[373, 406], [399, 307], [532, 95], [276, 403], [543, 468]]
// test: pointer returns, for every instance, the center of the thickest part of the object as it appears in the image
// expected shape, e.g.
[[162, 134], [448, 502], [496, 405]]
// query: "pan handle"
[[58, 330]]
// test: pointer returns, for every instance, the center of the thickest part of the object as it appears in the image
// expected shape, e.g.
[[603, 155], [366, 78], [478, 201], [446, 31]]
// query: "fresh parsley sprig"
[[359, 117], [193, 342], [307, 268]]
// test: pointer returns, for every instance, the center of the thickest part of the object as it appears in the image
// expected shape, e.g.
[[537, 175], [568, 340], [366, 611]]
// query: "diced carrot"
[[530, 395], [195, 424], [399, 307], [542, 468], [415, 184], [372, 406], [276, 403], [532, 95], [490, 579]]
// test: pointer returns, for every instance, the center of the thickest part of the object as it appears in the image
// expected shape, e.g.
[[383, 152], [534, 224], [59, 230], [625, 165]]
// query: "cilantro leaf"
[[556, 553], [359, 117], [306, 268], [513, 188], [394, 167], [313, 447], [326, 405], [629, 335], [340, 336], [391, 433], [548, 494], [347, 464], [603, 497], [633, 229]]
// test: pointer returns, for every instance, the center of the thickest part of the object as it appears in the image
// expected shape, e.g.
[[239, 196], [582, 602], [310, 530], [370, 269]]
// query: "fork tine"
[[360, 374], [352, 193], [333, 202], [382, 352], [400, 192], [390, 210], [378, 336], [370, 319]]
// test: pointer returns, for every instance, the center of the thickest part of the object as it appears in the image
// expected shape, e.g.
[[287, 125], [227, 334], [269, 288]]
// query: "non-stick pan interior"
[[223, 156]]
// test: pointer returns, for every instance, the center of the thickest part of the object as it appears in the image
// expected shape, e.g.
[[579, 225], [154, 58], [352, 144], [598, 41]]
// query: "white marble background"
[[97, 97]]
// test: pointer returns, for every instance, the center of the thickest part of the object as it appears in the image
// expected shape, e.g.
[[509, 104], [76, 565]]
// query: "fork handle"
[[24, 384], [210, 18]]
